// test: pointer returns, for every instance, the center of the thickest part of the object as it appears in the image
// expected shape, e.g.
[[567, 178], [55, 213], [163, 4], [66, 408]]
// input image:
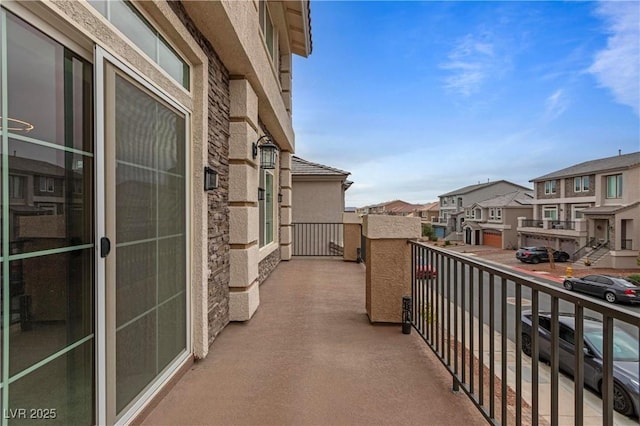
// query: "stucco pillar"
[[352, 223], [388, 261], [244, 295], [286, 226]]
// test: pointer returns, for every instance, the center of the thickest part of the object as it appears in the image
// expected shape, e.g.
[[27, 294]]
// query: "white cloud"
[[617, 67], [556, 104], [470, 63]]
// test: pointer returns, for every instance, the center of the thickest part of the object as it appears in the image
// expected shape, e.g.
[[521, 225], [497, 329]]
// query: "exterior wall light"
[[268, 152], [261, 194], [210, 179], [280, 197]]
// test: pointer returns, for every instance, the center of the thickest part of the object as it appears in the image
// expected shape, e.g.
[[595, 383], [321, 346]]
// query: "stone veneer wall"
[[218, 200], [267, 265]]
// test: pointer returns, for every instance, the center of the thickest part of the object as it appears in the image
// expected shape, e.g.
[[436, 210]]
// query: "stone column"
[[244, 296], [388, 261], [286, 227], [352, 223]]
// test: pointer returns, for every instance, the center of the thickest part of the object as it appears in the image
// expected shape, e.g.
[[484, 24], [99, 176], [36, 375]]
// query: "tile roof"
[[471, 188], [300, 167], [594, 166], [512, 199]]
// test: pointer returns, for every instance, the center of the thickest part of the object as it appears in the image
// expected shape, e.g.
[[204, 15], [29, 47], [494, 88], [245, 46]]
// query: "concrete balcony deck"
[[310, 357]]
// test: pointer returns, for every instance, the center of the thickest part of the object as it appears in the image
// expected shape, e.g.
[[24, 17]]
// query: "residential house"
[[452, 205], [135, 138], [591, 204], [395, 207], [428, 212], [318, 192], [318, 205], [494, 222]]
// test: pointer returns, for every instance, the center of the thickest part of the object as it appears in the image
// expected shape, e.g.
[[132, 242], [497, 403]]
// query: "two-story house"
[[452, 205], [591, 204], [494, 222], [395, 207], [428, 212]]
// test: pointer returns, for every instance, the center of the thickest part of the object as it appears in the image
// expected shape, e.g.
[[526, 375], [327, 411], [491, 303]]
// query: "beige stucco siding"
[[317, 202]]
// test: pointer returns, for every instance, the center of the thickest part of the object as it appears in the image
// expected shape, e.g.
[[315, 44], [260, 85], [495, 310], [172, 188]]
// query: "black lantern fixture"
[[268, 152], [280, 197], [210, 179], [261, 192]]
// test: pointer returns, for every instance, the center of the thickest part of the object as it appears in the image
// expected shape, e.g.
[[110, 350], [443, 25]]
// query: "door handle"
[[105, 246]]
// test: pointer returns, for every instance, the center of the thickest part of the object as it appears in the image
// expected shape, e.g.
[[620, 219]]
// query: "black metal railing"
[[362, 251], [530, 223], [626, 244], [562, 224], [578, 254], [318, 239], [459, 306]]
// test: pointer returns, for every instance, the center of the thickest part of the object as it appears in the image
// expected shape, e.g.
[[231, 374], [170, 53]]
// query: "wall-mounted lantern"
[[268, 152], [261, 194], [280, 198], [210, 179]]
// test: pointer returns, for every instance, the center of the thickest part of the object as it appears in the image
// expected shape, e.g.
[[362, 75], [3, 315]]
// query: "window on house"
[[614, 186], [577, 210], [266, 207], [460, 202], [498, 213], [47, 184], [444, 201], [477, 214], [126, 18], [269, 32], [550, 187], [16, 187], [550, 212], [581, 183]]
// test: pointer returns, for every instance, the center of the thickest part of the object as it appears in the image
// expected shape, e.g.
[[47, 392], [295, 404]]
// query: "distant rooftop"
[[301, 167], [471, 188], [512, 199], [595, 166]]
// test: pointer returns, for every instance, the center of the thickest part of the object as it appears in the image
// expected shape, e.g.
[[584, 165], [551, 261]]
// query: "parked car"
[[424, 270], [612, 289], [626, 390], [540, 254]]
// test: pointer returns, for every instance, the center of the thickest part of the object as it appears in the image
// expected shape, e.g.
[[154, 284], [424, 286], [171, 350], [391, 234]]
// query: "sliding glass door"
[[145, 220]]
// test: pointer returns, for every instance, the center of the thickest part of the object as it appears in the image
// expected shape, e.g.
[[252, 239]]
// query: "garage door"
[[493, 240]]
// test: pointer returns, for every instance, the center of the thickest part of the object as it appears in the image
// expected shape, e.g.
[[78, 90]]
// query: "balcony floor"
[[310, 356]]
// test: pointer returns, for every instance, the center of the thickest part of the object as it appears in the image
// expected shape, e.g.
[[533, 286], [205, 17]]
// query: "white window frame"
[[263, 204], [553, 209], [550, 187], [618, 186], [272, 45], [576, 208]]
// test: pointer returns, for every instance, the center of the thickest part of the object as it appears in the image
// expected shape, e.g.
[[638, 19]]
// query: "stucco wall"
[[317, 202]]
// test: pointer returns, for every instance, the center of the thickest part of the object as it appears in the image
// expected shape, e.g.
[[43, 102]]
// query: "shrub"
[[447, 243], [427, 231], [634, 277]]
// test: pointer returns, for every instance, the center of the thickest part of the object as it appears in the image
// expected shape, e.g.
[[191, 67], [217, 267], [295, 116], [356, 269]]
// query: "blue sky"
[[420, 98]]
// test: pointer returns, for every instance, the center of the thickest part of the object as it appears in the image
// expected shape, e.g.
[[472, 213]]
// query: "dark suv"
[[540, 254]]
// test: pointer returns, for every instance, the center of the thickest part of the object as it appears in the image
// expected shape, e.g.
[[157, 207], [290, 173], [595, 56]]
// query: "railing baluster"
[[463, 311], [607, 370], [492, 346], [555, 359], [448, 311], [518, 322], [456, 372], [481, 335], [503, 349], [578, 376], [535, 355], [471, 330]]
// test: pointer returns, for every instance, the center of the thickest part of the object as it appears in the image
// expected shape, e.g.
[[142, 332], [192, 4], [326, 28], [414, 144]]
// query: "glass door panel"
[[146, 275], [47, 221]]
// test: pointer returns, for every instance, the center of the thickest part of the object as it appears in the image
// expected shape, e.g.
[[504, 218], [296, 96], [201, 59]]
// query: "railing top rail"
[[593, 304]]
